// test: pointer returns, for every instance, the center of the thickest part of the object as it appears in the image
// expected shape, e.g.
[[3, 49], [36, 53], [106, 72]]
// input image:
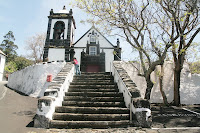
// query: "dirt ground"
[[17, 112], [166, 117]]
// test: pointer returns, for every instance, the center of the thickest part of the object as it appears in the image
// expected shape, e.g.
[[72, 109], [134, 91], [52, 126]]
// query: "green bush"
[[17, 64]]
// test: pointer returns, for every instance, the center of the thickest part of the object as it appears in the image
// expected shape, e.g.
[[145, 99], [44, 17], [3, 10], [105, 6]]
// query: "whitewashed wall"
[[104, 44], [189, 89], [32, 80], [2, 65], [56, 54], [109, 57]]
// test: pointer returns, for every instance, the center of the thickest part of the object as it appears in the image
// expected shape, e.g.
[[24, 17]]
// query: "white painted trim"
[[191, 111]]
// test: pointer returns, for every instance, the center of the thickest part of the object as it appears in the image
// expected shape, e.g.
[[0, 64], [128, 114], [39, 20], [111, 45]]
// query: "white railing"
[[128, 99], [54, 97], [123, 89]]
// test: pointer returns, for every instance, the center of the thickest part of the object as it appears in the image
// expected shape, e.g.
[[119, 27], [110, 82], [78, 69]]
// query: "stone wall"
[[32, 80], [139, 107], [189, 89], [53, 96]]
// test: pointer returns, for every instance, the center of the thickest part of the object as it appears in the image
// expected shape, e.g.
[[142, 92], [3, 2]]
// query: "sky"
[[27, 18]]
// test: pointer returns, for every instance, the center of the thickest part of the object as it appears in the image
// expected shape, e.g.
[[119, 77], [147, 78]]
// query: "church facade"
[[93, 51]]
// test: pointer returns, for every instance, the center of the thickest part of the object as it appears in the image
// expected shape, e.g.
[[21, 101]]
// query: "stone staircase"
[[93, 101]]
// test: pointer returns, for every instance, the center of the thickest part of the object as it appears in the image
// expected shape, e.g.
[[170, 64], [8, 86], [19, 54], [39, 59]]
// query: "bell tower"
[[60, 36]]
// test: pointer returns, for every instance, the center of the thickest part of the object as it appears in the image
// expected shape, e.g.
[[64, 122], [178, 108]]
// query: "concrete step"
[[93, 77], [90, 117], [92, 83], [92, 73], [93, 104], [89, 124], [92, 90], [92, 110], [94, 80], [94, 99], [93, 86], [94, 94]]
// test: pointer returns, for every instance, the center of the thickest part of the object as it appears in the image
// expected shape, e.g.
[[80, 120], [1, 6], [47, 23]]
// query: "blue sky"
[[27, 18]]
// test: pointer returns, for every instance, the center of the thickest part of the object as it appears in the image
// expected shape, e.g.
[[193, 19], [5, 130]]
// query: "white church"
[[93, 51]]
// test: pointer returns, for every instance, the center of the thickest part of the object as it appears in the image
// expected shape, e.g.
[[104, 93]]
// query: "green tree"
[[17, 64], [8, 46], [22, 62], [10, 67]]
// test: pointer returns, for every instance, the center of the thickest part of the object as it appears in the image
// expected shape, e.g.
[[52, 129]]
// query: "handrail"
[[130, 104], [122, 82], [134, 106]]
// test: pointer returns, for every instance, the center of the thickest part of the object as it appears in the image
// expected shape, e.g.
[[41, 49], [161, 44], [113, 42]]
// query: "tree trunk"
[[149, 87], [161, 86], [177, 76]]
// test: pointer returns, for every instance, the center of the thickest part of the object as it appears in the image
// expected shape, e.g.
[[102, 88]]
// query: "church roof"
[[97, 31], [2, 53]]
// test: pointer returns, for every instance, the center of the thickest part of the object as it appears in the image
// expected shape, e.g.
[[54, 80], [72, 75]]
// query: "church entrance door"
[[92, 68]]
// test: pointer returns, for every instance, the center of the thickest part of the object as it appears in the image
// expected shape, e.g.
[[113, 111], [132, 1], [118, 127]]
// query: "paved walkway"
[[17, 111]]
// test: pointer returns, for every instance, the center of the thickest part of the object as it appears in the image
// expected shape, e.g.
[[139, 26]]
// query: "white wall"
[[189, 88], [104, 44], [78, 54], [52, 26], [109, 57], [32, 79], [2, 65], [56, 54]]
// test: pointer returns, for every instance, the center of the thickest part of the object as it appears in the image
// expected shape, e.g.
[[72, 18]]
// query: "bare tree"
[[183, 18], [134, 20], [35, 45]]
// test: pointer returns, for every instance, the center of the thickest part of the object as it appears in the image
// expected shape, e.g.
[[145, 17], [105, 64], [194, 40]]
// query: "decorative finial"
[[64, 8], [118, 43]]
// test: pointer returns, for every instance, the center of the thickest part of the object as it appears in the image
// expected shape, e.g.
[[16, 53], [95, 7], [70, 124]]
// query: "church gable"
[[93, 36]]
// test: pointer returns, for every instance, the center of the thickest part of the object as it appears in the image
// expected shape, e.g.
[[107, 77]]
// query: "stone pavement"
[[17, 112]]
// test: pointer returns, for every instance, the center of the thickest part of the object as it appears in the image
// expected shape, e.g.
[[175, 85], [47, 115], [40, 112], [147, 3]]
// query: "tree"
[[35, 45], [135, 21], [8, 46], [17, 64], [183, 18]]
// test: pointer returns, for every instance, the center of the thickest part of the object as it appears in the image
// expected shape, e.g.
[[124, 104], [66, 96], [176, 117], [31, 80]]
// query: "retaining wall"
[[32, 80], [189, 88]]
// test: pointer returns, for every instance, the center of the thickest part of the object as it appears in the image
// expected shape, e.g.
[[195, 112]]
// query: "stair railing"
[[122, 88], [138, 106], [53, 96]]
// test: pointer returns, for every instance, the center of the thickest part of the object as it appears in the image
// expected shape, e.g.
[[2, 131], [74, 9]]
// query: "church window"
[[92, 38], [92, 50], [59, 28]]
